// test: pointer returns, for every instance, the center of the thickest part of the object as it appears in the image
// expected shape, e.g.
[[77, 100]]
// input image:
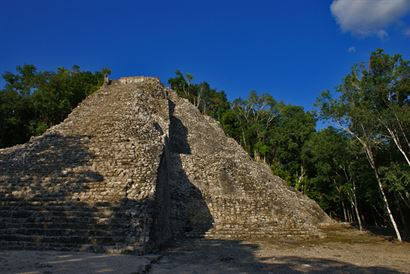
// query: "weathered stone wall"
[[90, 181], [132, 167], [243, 197], [135, 80]]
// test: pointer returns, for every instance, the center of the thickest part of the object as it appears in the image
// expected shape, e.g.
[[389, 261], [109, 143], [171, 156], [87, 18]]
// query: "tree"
[[206, 99], [386, 84], [256, 115], [32, 100], [181, 84], [292, 129], [333, 164], [361, 110], [333, 167]]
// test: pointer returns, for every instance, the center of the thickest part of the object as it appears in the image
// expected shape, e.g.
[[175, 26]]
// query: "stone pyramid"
[[134, 166]]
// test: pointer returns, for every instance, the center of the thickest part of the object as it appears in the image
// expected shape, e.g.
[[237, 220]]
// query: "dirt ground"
[[347, 251], [48, 262], [343, 251]]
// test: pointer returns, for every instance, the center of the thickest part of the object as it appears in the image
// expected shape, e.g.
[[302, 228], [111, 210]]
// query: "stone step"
[[61, 221], [23, 213], [30, 213], [60, 232], [38, 202], [116, 248], [260, 231], [75, 223], [37, 245], [74, 240], [280, 233]]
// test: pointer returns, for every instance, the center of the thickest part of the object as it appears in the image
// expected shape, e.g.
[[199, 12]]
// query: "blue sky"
[[292, 49]]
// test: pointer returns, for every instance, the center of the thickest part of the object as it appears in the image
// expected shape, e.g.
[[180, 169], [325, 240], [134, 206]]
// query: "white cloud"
[[368, 17], [351, 50], [407, 32], [382, 34]]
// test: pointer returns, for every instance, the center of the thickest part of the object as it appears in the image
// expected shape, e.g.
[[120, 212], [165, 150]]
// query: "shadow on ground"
[[71, 262], [388, 233], [225, 256], [189, 256]]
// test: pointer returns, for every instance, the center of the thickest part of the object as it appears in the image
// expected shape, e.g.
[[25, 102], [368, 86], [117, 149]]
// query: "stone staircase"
[[51, 224], [88, 183], [234, 232]]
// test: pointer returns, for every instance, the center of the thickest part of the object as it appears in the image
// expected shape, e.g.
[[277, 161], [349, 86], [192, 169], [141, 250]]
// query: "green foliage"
[[209, 101], [373, 107], [334, 162], [293, 128], [331, 165], [31, 101], [396, 177], [339, 168]]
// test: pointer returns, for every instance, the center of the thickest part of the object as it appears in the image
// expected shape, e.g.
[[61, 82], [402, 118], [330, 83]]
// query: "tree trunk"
[[349, 214], [374, 218], [370, 158], [344, 212], [256, 156], [402, 217], [397, 143], [301, 177], [386, 203], [405, 199], [356, 207], [244, 140], [199, 100], [364, 220], [402, 130]]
